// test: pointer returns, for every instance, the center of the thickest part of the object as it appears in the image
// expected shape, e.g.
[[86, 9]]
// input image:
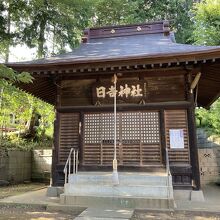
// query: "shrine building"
[[159, 84]]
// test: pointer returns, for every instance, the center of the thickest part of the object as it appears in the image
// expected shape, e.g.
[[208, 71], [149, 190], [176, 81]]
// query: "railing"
[[169, 184], [72, 157], [167, 162]]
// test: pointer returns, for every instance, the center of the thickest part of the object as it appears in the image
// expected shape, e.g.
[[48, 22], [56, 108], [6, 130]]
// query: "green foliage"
[[209, 118], [54, 25], [207, 22], [15, 142], [22, 106], [176, 11], [9, 75], [116, 12], [11, 16]]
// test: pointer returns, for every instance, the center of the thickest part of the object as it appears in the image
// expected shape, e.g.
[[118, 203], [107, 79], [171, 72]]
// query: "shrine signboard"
[[126, 92]]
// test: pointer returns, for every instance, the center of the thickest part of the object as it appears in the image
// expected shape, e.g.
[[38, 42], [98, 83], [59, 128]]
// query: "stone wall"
[[41, 165], [209, 158], [3, 165], [15, 166], [18, 166]]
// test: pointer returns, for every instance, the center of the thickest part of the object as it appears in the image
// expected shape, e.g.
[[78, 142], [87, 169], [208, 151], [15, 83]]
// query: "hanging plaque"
[[126, 92]]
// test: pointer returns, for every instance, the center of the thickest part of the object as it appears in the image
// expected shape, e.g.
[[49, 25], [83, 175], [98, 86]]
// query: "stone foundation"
[[209, 158]]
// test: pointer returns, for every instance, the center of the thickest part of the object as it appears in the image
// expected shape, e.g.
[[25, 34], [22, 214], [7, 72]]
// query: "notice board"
[[176, 138]]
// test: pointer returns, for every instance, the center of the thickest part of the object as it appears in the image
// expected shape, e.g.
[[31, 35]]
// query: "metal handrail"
[[167, 162], [68, 163], [168, 172]]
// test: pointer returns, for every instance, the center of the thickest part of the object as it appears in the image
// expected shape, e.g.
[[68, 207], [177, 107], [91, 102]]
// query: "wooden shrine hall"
[[159, 83]]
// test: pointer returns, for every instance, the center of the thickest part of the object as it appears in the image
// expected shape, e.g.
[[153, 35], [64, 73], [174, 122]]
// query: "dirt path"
[[13, 190], [21, 212], [179, 215]]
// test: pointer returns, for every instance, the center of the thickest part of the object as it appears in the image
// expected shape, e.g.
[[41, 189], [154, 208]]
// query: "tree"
[[207, 22], [139, 11], [11, 14], [113, 12], [54, 24]]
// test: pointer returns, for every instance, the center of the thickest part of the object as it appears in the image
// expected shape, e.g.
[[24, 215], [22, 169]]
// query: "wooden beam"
[[147, 106]]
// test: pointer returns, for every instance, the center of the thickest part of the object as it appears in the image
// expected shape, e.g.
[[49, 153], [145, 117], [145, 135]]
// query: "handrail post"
[[74, 161], [77, 160], [65, 176], [69, 164], [168, 175], [67, 167]]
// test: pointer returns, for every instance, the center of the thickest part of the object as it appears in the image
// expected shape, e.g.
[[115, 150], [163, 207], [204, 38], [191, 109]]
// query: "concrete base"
[[197, 196], [182, 194], [189, 195], [135, 190], [118, 202], [54, 191]]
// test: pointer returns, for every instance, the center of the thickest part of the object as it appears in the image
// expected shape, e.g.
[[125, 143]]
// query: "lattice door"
[[138, 138], [131, 138], [150, 138], [92, 139]]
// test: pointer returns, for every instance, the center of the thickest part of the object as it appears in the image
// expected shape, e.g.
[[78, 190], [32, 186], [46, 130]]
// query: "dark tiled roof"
[[149, 45]]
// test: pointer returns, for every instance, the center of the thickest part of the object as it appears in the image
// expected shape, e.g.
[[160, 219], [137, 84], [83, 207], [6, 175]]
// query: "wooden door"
[[138, 138]]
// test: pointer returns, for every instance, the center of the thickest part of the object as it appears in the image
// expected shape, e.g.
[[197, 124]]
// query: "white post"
[[115, 179], [65, 175], [77, 160], [69, 164], [74, 161]]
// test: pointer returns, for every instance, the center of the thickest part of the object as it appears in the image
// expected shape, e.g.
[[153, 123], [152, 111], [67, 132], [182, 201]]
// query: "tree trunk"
[[7, 49], [1, 110], [41, 38]]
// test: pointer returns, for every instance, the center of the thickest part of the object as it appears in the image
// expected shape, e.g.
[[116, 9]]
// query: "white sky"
[[21, 53]]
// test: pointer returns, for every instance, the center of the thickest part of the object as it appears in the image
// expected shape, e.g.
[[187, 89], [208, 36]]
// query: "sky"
[[21, 53]]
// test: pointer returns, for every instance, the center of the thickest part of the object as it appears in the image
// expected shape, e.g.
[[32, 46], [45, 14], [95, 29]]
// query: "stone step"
[[159, 179], [118, 202], [151, 191], [106, 213]]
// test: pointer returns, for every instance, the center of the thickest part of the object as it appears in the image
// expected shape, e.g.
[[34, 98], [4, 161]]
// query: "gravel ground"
[[180, 215], [24, 212], [13, 190]]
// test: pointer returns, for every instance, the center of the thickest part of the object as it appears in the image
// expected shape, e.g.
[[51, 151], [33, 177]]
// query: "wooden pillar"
[[192, 134], [193, 147], [55, 151]]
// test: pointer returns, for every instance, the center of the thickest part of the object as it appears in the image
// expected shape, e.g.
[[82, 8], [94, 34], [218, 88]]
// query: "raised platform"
[[135, 190]]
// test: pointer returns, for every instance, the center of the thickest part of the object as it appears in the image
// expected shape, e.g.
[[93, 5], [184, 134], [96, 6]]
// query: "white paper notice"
[[176, 138]]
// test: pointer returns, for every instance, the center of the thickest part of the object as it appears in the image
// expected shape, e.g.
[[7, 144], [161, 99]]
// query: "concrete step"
[[135, 190], [118, 202], [102, 214], [125, 178], [121, 190]]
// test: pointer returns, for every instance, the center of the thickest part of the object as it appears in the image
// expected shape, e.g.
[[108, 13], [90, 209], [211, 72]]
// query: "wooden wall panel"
[[76, 92], [166, 88], [177, 119], [68, 135], [159, 89]]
